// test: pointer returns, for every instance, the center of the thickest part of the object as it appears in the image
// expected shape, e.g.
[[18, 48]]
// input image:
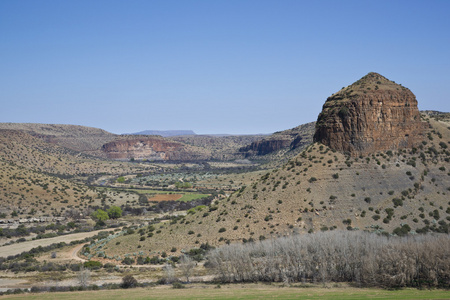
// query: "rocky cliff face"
[[373, 114], [266, 146], [283, 140], [151, 148]]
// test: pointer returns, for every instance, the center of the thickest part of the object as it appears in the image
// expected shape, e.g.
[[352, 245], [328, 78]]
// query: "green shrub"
[[403, 230], [397, 202], [114, 212], [93, 265], [128, 260]]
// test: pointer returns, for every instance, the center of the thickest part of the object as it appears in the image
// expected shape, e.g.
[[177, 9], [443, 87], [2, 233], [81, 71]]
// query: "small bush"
[[397, 202], [128, 260], [129, 282], [178, 285]]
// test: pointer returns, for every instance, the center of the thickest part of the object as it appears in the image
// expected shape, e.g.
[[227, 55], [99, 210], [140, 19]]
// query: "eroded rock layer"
[[150, 148], [373, 114]]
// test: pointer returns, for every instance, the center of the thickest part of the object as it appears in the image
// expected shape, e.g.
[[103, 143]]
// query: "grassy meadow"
[[239, 291]]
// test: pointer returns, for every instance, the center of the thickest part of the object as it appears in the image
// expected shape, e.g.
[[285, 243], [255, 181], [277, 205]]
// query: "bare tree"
[[168, 270], [84, 277], [360, 257], [186, 266]]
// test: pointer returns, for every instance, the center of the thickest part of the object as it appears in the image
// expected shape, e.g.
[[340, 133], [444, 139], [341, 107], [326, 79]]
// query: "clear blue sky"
[[211, 66]]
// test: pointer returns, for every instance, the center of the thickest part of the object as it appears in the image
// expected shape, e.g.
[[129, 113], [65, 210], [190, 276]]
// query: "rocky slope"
[[373, 114]]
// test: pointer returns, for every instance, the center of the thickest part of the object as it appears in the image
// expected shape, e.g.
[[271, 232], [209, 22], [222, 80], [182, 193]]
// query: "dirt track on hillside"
[[18, 248]]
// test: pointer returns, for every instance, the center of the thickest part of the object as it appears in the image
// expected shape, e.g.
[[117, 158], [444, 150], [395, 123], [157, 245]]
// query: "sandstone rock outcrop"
[[373, 114], [151, 148]]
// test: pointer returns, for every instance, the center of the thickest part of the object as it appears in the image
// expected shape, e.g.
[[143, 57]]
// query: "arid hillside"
[[321, 189], [35, 176], [30, 152], [87, 140], [26, 193]]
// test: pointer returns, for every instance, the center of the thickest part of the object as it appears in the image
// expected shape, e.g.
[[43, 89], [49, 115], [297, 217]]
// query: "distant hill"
[[164, 133], [220, 147], [87, 140]]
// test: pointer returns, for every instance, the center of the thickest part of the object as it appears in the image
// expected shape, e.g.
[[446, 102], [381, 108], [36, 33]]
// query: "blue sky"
[[211, 66]]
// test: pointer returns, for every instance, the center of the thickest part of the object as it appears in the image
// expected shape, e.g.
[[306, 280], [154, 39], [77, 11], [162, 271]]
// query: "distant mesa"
[[164, 133], [373, 114]]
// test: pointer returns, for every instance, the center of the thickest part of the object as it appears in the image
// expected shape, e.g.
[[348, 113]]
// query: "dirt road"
[[75, 252], [27, 246]]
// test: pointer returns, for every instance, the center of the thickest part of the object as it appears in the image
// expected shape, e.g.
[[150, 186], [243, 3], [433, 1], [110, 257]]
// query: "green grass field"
[[192, 196], [187, 196], [239, 291]]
